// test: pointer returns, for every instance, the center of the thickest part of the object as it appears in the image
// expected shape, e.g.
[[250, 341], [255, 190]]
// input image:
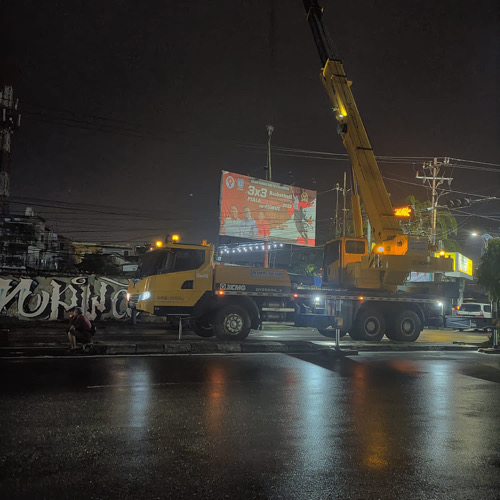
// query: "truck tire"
[[369, 326], [354, 335], [406, 327], [202, 328], [232, 322], [330, 332]]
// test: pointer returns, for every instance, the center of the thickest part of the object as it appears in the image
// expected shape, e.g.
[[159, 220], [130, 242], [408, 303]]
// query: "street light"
[[270, 130], [485, 237], [441, 305]]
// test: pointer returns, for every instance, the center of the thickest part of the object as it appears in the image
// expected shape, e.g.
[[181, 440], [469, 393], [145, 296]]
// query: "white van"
[[474, 310]]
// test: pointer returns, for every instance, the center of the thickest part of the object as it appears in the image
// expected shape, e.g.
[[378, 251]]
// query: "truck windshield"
[[170, 260]]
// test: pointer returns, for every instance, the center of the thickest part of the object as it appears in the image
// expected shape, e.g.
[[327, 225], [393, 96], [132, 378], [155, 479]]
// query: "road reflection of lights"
[[405, 366], [314, 417], [216, 398], [139, 399], [437, 396], [130, 400], [373, 431]]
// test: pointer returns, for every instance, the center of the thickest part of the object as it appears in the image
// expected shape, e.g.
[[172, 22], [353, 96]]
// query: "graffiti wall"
[[52, 298]]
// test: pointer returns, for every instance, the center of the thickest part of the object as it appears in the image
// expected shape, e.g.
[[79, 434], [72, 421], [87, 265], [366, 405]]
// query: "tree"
[[95, 263], [488, 273], [446, 224], [420, 225]]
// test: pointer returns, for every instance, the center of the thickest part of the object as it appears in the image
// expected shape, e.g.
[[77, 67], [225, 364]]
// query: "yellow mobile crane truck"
[[359, 294]]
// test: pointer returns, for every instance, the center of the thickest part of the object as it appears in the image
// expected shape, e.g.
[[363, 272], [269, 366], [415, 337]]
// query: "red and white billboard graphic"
[[257, 209]]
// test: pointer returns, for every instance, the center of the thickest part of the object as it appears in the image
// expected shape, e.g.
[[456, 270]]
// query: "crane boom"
[[348, 261], [366, 173]]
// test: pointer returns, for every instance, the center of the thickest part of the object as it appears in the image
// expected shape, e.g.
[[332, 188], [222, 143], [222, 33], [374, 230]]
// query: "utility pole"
[[336, 233], [10, 120], [433, 203], [336, 230], [344, 191], [269, 177], [431, 176]]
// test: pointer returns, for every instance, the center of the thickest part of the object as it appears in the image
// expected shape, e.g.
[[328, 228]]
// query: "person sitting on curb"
[[80, 329]]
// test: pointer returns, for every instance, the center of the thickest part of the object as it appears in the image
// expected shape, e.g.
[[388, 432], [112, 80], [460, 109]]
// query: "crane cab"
[[339, 255]]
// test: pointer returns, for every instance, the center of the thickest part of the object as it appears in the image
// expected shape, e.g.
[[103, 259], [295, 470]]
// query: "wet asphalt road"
[[378, 425]]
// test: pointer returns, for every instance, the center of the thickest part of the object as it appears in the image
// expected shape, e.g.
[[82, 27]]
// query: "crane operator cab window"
[[354, 249], [357, 247]]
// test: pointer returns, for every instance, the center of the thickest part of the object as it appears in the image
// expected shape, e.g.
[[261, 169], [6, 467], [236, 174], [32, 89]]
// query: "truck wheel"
[[354, 335], [406, 327], [370, 326], [330, 332], [202, 328], [232, 323]]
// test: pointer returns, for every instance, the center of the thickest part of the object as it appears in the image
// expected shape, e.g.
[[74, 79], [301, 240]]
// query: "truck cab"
[[172, 279]]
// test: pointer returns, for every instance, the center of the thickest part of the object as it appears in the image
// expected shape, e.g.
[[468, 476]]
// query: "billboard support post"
[[270, 129]]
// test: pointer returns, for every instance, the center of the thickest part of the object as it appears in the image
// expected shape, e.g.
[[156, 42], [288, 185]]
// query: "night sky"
[[131, 108]]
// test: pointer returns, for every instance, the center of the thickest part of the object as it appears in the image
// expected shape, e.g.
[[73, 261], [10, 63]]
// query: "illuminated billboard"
[[462, 265], [257, 209]]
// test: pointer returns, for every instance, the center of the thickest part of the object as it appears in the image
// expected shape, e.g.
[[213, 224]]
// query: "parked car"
[[474, 310]]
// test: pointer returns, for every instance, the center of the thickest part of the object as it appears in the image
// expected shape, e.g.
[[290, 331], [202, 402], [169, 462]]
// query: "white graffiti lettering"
[[49, 298]]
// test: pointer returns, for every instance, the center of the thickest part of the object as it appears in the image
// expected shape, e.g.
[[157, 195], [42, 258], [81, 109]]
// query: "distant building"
[[26, 244], [118, 255], [119, 251]]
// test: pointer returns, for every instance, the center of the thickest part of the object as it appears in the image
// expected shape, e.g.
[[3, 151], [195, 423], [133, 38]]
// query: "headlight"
[[145, 296], [128, 296]]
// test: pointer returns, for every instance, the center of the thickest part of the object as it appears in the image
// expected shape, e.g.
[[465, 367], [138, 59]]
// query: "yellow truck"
[[182, 282]]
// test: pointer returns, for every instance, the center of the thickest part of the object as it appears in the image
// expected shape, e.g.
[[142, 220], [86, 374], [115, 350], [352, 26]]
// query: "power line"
[[75, 113], [326, 155], [477, 162]]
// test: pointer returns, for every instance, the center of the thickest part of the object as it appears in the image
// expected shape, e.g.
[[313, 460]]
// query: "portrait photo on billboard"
[[258, 209]]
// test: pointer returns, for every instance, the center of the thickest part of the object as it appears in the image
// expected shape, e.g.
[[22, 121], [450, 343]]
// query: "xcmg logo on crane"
[[232, 288]]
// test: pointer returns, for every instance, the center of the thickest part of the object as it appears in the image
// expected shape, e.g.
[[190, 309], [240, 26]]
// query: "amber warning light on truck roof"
[[403, 212]]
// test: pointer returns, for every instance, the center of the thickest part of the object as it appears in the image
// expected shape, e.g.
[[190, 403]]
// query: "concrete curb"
[[408, 347], [207, 347], [489, 350]]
